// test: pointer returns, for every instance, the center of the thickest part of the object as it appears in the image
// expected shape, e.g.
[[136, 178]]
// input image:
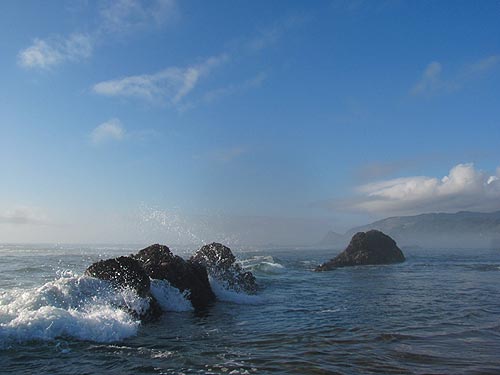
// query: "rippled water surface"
[[437, 313]]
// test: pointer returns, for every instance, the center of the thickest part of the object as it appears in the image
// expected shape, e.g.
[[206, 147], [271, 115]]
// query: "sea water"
[[437, 313]]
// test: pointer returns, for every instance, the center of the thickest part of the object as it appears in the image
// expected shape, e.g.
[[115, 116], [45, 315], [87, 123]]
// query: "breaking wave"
[[79, 307], [170, 298], [226, 294], [263, 265], [89, 309]]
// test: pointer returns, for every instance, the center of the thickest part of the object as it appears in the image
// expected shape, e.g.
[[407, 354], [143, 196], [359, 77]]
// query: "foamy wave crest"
[[226, 294], [263, 264], [169, 297], [79, 307]]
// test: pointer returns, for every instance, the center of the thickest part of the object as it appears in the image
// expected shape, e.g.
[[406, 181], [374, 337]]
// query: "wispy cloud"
[[46, 53], [269, 36], [432, 80], [464, 188], [484, 65], [118, 16], [171, 84], [232, 89], [23, 215], [111, 130]]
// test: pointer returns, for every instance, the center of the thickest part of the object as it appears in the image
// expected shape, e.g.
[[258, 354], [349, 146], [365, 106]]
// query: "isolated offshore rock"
[[372, 247], [159, 263], [221, 265], [125, 272]]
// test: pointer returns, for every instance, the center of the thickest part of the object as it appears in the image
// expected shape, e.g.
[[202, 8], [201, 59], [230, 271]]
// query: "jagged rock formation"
[[221, 265], [159, 263], [189, 276], [372, 247], [125, 272], [122, 272]]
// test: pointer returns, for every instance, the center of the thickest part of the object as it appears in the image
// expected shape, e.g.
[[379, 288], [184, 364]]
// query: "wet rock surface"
[[366, 248], [188, 276], [159, 263], [221, 264], [125, 272]]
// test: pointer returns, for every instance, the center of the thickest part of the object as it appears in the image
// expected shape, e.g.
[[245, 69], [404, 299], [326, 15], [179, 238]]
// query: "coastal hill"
[[446, 230]]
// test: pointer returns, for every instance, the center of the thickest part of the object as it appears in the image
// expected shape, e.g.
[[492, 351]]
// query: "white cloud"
[[23, 215], [45, 53], [111, 130], [432, 81], [116, 16], [464, 188], [171, 84], [129, 15]]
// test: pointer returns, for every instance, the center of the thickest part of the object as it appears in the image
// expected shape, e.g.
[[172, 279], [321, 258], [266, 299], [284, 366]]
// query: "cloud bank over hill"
[[464, 188]]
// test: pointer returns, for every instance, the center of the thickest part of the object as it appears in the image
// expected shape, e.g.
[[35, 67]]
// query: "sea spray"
[[225, 293], [79, 307], [169, 297], [263, 264], [86, 308]]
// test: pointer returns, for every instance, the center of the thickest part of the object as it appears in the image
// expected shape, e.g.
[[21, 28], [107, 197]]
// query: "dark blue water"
[[437, 313]]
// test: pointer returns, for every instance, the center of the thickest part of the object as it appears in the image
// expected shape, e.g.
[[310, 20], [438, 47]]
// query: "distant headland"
[[463, 229]]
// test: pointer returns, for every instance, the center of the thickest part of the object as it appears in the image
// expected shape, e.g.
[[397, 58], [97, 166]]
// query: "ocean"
[[437, 313]]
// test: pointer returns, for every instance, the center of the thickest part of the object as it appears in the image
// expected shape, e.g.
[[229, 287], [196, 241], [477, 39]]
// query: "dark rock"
[[125, 272], [122, 272], [372, 247], [221, 265], [159, 263]]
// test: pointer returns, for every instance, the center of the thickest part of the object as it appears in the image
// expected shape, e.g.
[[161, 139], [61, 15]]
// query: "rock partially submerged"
[[125, 272], [221, 265], [159, 263], [189, 276], [365, 248]]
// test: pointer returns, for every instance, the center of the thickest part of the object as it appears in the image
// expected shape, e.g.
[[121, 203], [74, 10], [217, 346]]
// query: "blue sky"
[[244, 121]]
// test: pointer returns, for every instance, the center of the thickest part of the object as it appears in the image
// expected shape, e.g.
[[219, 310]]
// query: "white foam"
[[79, 307], [169, 297], [263, 264], [270, 268], [226, 294]]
